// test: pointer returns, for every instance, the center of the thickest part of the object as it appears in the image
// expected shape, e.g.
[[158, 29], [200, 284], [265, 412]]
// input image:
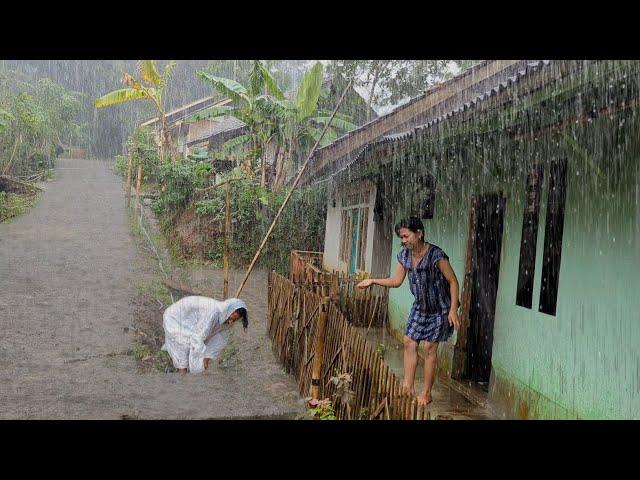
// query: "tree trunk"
[[248, 160], [263, 165], [277, 168]]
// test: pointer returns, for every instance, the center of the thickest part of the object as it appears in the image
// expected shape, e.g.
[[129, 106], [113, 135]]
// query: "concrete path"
[[68, 271]]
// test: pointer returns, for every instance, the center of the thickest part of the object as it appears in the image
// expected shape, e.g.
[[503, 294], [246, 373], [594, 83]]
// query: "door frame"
[[460, 348]]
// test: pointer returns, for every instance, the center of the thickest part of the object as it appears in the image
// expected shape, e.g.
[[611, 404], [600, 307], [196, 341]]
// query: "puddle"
[[447, 403], [393, 351]]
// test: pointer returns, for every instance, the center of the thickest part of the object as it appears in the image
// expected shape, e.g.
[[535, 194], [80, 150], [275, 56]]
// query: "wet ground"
[[448, 404], [74, 290]]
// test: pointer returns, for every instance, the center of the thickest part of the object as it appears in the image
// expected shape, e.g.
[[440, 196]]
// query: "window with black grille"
[[553, 237], [528, 242]]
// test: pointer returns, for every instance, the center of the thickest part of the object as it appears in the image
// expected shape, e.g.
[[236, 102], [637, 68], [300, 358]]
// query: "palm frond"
[[234, 142], [309, 92], [168, 70], [131, 82], [149, 72], [269, 81], [329, 136], [226, 86], [120, 96], [338, 123], [211, 112], [343, 116]]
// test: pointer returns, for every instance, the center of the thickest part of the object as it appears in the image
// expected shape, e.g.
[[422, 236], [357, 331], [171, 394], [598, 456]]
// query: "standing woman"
[[434, 313]]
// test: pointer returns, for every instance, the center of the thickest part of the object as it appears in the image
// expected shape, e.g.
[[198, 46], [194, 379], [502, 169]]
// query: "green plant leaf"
[[120, 96], [234, 142], [149, 72], [226, 86], [211, 112], [268, 80], [338, 123], [309, 92]]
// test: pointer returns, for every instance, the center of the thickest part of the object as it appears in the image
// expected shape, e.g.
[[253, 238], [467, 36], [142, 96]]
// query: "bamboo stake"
[[375, 309], [293, 187], [227, 231], [138, 184], [319, 349], [129, 172]]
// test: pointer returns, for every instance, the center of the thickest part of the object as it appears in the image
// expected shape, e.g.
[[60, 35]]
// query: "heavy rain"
[[408, 239]]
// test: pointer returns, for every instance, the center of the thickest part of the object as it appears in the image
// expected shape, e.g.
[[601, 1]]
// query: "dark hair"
[[412, 223], [245, 320]]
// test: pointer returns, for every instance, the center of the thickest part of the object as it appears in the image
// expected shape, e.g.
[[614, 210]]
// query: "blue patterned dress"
[[428, 319]]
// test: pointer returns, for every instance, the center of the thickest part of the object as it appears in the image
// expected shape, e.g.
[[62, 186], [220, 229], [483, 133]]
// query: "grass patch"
[[15, 204], [157, 290], [141, 351], [229, 356]]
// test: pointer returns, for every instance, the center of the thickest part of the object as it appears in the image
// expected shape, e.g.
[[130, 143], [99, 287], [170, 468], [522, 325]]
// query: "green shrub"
[[121, 165], [253, 208], [13, 204], [180, 179]]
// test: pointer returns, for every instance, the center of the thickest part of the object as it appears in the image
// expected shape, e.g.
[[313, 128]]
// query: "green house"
[[527, 174]]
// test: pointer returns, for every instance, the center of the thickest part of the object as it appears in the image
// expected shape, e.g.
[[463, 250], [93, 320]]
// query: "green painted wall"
[[584, 361]]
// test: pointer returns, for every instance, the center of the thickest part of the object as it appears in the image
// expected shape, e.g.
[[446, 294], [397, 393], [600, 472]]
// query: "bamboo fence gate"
[[363, 308], [293, 317]]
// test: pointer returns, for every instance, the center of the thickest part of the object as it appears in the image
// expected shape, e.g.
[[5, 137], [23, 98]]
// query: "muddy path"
[[70, 271]]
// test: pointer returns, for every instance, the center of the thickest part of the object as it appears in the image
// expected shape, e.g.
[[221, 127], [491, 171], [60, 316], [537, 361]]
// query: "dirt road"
[[68, 271]]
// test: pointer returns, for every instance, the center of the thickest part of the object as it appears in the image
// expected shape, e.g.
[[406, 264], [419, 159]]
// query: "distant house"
[[526, 174], [207, 134], [212, 133]]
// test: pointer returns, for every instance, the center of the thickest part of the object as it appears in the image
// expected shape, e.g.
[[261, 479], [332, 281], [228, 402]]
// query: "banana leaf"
[[120, 96]]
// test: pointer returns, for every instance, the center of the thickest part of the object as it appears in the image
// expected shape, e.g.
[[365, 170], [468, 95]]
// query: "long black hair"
[[412, 223], [245, 320]]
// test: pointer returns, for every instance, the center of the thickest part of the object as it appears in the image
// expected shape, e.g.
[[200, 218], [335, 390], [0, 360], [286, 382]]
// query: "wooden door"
[[484, 286]]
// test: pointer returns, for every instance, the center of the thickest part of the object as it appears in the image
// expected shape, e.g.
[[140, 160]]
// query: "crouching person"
[[196, 330]]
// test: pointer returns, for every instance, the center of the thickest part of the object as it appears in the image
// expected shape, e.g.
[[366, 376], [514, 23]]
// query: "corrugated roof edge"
[[411, 101], [398, 137]]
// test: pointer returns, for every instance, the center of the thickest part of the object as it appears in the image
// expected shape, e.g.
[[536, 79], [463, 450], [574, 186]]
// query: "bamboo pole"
[[129, 172], [319, 349], [138, 183], [227, 230], [293, 187]]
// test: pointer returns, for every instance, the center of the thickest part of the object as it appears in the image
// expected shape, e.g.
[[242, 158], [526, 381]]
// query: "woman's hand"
[[454, 319], [365, 283]]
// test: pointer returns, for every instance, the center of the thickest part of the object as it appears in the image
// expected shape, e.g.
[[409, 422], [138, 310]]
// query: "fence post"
[[321, 331], [128, 195], [227, 233], [138, 180]]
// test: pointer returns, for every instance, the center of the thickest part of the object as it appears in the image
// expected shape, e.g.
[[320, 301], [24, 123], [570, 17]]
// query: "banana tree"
[[300, 121], [250, 105], [151, 87], [271, 118]]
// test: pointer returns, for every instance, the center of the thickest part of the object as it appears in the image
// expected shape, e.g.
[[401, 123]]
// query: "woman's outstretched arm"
[[392, 282]]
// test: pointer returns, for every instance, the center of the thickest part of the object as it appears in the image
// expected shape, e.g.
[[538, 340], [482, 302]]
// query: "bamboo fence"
[[293, 317], [362, 307]]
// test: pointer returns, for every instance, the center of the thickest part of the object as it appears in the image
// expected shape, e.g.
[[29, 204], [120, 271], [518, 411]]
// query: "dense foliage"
[[36, 117]]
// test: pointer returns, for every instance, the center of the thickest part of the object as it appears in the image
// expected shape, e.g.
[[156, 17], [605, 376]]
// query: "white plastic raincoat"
[[189, 322]]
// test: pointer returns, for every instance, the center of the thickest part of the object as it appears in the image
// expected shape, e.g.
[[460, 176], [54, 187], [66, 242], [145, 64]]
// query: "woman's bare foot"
[[407, 390], [181, 370], [424, 398]]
